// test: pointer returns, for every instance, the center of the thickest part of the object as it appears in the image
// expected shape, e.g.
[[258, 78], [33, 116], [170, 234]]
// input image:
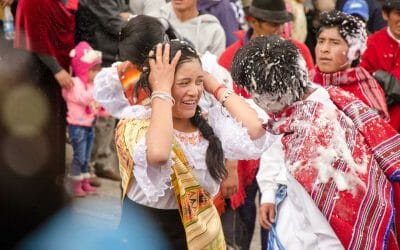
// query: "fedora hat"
[[273, 11]]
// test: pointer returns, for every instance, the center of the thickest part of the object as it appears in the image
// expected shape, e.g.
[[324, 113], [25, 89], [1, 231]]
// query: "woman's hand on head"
[[64, 79], [162, 73]]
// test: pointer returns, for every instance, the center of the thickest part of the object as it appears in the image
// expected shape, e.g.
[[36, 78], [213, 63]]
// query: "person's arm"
[[61, 75], [108, 92], [236, 106], [271, 164], [390, 85], [108, 15], [369, 58], [160, 133]]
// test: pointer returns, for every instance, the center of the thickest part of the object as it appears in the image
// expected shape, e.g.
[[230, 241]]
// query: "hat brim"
[[271, 16]]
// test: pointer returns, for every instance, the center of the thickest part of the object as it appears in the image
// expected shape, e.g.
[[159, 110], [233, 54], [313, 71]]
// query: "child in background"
[[86, 63]]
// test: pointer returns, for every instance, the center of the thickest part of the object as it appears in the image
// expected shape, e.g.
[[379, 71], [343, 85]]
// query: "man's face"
[[265, 28], [182, 5], [393, 20], [331, 51]]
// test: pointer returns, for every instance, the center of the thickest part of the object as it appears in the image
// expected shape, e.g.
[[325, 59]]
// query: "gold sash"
[[199, 216]]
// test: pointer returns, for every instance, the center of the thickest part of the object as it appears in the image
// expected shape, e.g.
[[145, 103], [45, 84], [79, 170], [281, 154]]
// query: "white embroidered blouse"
[[152, 186]]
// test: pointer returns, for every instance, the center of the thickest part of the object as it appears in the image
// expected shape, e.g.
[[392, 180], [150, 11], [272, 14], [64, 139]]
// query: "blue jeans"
[[82, 139]]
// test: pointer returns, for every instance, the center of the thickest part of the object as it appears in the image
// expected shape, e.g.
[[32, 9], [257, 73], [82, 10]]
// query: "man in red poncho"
[[382, 58], [341, 40], [342, 159]]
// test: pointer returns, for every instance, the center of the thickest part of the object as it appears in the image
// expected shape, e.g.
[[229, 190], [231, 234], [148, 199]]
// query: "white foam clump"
[[325, 156]]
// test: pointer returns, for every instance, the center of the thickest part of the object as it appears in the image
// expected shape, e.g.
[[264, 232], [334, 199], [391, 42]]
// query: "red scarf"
[[362, 217], [45, 27], [357, 81]]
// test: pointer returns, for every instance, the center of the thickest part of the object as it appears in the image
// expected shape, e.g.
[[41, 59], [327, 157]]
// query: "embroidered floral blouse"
[[152, 186]]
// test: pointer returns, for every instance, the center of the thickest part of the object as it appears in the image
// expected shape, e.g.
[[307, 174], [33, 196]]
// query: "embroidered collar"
[[188, 137]]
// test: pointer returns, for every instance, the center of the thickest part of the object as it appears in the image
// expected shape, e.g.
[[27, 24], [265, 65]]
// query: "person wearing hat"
[[265, 18], [375, 20], [357, 8], [382, 58]]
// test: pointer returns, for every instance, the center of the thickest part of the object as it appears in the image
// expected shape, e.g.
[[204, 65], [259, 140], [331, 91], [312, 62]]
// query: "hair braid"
[[214, 154]]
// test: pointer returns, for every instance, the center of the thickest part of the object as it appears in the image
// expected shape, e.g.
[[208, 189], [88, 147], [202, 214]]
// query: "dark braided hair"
[[214, 155], [270, 66]]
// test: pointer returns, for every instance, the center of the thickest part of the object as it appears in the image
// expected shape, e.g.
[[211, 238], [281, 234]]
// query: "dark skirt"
[[167, 220]]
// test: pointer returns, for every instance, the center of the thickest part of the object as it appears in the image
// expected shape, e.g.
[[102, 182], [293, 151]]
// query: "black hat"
[[392, 4], [273, 11]]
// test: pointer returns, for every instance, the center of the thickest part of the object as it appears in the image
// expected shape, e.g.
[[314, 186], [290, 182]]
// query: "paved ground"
[[105, 206]]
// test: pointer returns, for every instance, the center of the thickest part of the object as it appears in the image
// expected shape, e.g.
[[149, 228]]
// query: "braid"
[[215, 154]]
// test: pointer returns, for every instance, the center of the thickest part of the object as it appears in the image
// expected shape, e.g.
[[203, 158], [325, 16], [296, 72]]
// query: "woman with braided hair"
[[335, 187], [171, 157]]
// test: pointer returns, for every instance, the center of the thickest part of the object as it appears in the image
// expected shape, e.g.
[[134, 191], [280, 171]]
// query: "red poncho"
[[346, 159], [357, 81], [45, 27]]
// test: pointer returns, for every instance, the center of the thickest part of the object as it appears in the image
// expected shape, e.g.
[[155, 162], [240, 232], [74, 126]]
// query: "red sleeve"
[[369, 56], [225, 60], [305, 52]]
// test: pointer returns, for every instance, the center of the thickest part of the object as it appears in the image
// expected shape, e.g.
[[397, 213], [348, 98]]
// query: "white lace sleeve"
[[108, 93], [152, 180], [235, 140]]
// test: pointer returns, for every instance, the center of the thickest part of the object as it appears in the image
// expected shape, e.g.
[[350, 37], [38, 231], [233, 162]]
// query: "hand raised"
[[162, 72]]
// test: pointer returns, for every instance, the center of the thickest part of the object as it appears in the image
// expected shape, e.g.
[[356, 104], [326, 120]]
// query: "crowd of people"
[[215, 110]]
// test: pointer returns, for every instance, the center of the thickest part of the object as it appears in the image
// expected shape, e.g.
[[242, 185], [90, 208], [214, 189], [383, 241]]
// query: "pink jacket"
[[78, 100]]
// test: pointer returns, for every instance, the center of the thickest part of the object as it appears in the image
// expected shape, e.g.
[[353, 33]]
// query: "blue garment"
[[82, 139], [375, 21], [69, 230], [225, 14], [273, 238]]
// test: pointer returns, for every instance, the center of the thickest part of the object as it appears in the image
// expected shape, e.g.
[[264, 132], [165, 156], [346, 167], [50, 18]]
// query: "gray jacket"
[[204, 31]]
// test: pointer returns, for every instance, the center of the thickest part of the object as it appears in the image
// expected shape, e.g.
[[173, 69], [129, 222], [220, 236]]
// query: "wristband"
[[215, 93], [227, 94], [162, 95]]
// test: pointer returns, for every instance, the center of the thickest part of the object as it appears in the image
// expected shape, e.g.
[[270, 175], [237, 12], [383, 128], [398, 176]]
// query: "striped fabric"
[[362, 216], [357, 81], [199, 216]]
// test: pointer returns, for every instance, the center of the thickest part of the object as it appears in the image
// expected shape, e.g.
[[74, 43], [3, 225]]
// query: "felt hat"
[[273, 11]]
